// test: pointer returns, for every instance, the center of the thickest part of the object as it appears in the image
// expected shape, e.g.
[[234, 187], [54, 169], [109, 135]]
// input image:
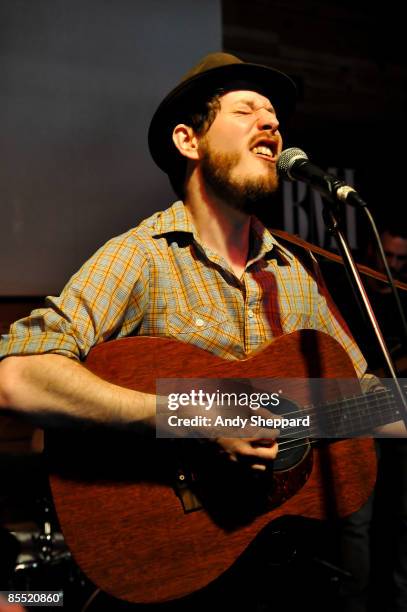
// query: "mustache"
[[266, 135]]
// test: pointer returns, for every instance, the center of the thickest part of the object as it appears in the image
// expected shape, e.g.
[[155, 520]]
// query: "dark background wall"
[[80, 81], [348, 59]]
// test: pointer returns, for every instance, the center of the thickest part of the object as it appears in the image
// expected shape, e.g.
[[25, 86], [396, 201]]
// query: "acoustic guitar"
[[151, 520]]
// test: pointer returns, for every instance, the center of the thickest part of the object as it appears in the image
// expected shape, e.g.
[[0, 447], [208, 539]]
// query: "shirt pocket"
[[201, 321]]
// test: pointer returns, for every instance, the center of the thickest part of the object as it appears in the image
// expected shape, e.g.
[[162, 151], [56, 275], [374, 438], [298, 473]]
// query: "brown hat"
[[214, 71]]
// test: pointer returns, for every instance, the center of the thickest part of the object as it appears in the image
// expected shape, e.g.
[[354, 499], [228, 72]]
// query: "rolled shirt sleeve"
[[91, 308]]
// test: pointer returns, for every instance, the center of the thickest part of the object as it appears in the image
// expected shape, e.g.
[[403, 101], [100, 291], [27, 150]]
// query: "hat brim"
[[275, 85]]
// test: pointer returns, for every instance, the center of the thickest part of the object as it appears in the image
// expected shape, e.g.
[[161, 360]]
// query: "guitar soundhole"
[[294, 446]]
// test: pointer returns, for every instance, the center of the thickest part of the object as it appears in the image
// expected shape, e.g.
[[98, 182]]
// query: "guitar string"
[[351, 401], [343, 421], [308, 443], [369, 400], [307, 434], [374, 408], [298, 439], [373, 404], [306, 437], [372, 400], [310, 431], [340, 430]]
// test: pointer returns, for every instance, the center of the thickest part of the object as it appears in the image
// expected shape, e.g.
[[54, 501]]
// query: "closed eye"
[[249, 110]]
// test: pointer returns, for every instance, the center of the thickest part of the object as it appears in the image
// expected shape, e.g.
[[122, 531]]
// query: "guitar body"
[[114, 494]]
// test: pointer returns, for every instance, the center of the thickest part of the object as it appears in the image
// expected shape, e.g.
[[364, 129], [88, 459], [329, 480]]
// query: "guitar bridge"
[[189, 500]]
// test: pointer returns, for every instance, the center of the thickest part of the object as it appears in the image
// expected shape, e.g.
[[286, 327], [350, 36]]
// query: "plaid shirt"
[[159, 280]]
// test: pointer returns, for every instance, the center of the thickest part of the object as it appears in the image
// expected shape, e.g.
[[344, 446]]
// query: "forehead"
[[245, 97]]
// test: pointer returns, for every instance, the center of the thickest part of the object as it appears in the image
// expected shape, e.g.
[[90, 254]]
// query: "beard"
[[248, 194]]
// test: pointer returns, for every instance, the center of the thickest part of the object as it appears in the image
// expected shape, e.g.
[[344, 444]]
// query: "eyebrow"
[[252, 105]]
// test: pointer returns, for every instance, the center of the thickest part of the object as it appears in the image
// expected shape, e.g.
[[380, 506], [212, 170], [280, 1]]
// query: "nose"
[[266, 120]]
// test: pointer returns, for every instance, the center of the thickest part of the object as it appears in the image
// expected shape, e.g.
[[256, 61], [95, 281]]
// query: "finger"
[[250, 450], [259, 466], [262, 433], [263, 441], [265, 452], [267, 434]]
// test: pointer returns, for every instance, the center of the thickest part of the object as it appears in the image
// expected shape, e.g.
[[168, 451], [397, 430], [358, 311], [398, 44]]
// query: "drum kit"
[[33, 553]]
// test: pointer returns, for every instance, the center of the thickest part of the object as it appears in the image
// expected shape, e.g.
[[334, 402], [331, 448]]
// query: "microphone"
[[294, 165]]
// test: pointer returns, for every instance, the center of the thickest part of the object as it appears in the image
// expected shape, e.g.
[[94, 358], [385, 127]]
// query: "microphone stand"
[[331, 215]]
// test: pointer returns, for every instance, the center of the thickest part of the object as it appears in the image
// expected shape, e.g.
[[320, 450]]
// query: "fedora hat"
[[214, 71]]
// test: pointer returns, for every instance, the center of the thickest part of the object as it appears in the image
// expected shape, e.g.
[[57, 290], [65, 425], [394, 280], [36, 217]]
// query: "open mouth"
[[265, 150]]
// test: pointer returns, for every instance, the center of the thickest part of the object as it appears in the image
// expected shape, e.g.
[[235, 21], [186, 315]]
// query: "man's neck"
[[221, 228]]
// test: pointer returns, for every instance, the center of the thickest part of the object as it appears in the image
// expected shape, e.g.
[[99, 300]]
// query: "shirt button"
[[199, 322], [250, 313]]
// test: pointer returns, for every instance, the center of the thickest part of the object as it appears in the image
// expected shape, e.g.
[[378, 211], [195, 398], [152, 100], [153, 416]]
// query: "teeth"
[[263, 150]]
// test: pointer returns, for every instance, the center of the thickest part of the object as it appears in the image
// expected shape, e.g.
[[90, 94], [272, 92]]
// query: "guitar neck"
[[355, 416]]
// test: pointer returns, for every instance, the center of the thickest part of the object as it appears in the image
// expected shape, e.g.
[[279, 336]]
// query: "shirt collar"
[[176, 219], [264, 242]]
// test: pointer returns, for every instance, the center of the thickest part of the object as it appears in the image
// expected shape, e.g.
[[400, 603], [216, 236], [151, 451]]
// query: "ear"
[[186, 141]]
